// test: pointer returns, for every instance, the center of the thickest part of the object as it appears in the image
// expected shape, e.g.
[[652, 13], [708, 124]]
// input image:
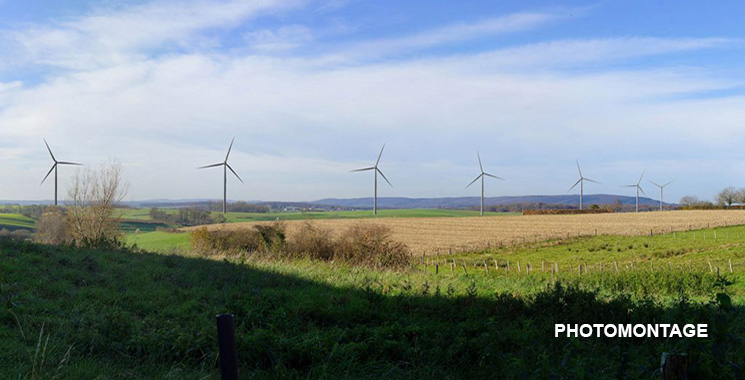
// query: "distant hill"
[[467, 202], [399, 202]]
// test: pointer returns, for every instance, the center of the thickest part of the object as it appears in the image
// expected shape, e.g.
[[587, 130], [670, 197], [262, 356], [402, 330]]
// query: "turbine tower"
[[481, 176], [638, 189], [581, 183], [376, 170], [225, 168], [662, 191], [54, 167]]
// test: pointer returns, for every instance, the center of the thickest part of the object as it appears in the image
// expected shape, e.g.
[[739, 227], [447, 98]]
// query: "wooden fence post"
[[674, 366], [226, 344]]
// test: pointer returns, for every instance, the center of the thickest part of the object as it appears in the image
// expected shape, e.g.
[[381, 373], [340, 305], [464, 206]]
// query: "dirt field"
[[432, 234]]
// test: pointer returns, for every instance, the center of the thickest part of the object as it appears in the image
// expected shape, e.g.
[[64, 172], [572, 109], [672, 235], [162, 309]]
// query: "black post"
[[226, 342]]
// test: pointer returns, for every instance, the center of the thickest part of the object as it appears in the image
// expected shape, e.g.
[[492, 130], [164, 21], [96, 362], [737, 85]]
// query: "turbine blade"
[[654, 183], [386, 179], [642, 190], [575, 184], [475, 179], [211, 166], [362, 170], [480, 166], [640, 178], [591, 180], [48, 173], [229, 148], [68, 163], [379, 155], [668, 183], [50, 150], [236, 174], [629, 186], [493, 176], [578, 169]]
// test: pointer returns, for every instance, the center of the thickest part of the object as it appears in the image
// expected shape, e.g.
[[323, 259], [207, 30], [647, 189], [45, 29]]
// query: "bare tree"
[[689, 200], [727, 197], [740, 196], [91, 212]]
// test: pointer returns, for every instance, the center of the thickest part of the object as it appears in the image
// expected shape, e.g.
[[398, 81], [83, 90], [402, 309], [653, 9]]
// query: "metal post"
[[226, 343], [674, 366]]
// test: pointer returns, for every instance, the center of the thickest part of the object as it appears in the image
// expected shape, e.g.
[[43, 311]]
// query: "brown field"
[[458, 234]]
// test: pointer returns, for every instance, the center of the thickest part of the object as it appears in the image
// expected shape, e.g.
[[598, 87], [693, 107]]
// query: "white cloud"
[[113, 36], [301, 124]]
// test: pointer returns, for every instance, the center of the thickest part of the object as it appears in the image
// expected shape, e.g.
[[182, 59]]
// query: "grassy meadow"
[[13, 222]]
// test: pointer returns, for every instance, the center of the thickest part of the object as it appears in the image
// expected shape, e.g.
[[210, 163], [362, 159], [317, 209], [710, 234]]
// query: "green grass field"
[[126, 315], [158, 241], [15, 221], [142, 214]]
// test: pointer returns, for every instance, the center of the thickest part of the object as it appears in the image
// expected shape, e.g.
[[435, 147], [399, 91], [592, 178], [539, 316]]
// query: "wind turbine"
[[376, 170], [662, 191], [638, 188], [54, 167], [581, 183], [481, 176], [225, 168]]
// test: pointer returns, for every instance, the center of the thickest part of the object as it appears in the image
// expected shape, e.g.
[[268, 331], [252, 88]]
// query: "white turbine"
[[54, 168], [225, 168], [662, 191], [581, 184], [638, 189], [376, 171], [481, 176]]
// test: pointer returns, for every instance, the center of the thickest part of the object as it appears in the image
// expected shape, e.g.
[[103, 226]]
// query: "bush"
[[272, 235], [362, 244], [51, 228], [20, 234], [313, 242], [371, 245], [225, 241]]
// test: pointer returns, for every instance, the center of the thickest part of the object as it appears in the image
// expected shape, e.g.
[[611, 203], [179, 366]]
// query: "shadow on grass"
[[136, 315]]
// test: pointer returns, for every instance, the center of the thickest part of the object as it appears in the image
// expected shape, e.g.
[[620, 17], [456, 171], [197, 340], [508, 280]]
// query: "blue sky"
[[312, 89]]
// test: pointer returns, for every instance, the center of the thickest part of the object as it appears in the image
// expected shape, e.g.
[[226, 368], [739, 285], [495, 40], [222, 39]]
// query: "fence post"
[[226, 343], [674, 366]]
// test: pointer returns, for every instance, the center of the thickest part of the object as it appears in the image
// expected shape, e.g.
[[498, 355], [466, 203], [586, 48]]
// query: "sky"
[[311, 89]]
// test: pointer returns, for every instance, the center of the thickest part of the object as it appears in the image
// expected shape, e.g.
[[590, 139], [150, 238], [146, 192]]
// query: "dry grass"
[[432, 234]]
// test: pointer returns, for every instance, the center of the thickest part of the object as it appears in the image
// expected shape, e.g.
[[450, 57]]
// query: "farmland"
[[120, 314], [135, 314], [472, 233], [15, 221]]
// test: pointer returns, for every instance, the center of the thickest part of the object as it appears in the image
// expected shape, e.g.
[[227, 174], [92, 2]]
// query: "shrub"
[[371, 245], [362, 244], [225, 241], [272, 235], [51, 228], [313, 242]]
